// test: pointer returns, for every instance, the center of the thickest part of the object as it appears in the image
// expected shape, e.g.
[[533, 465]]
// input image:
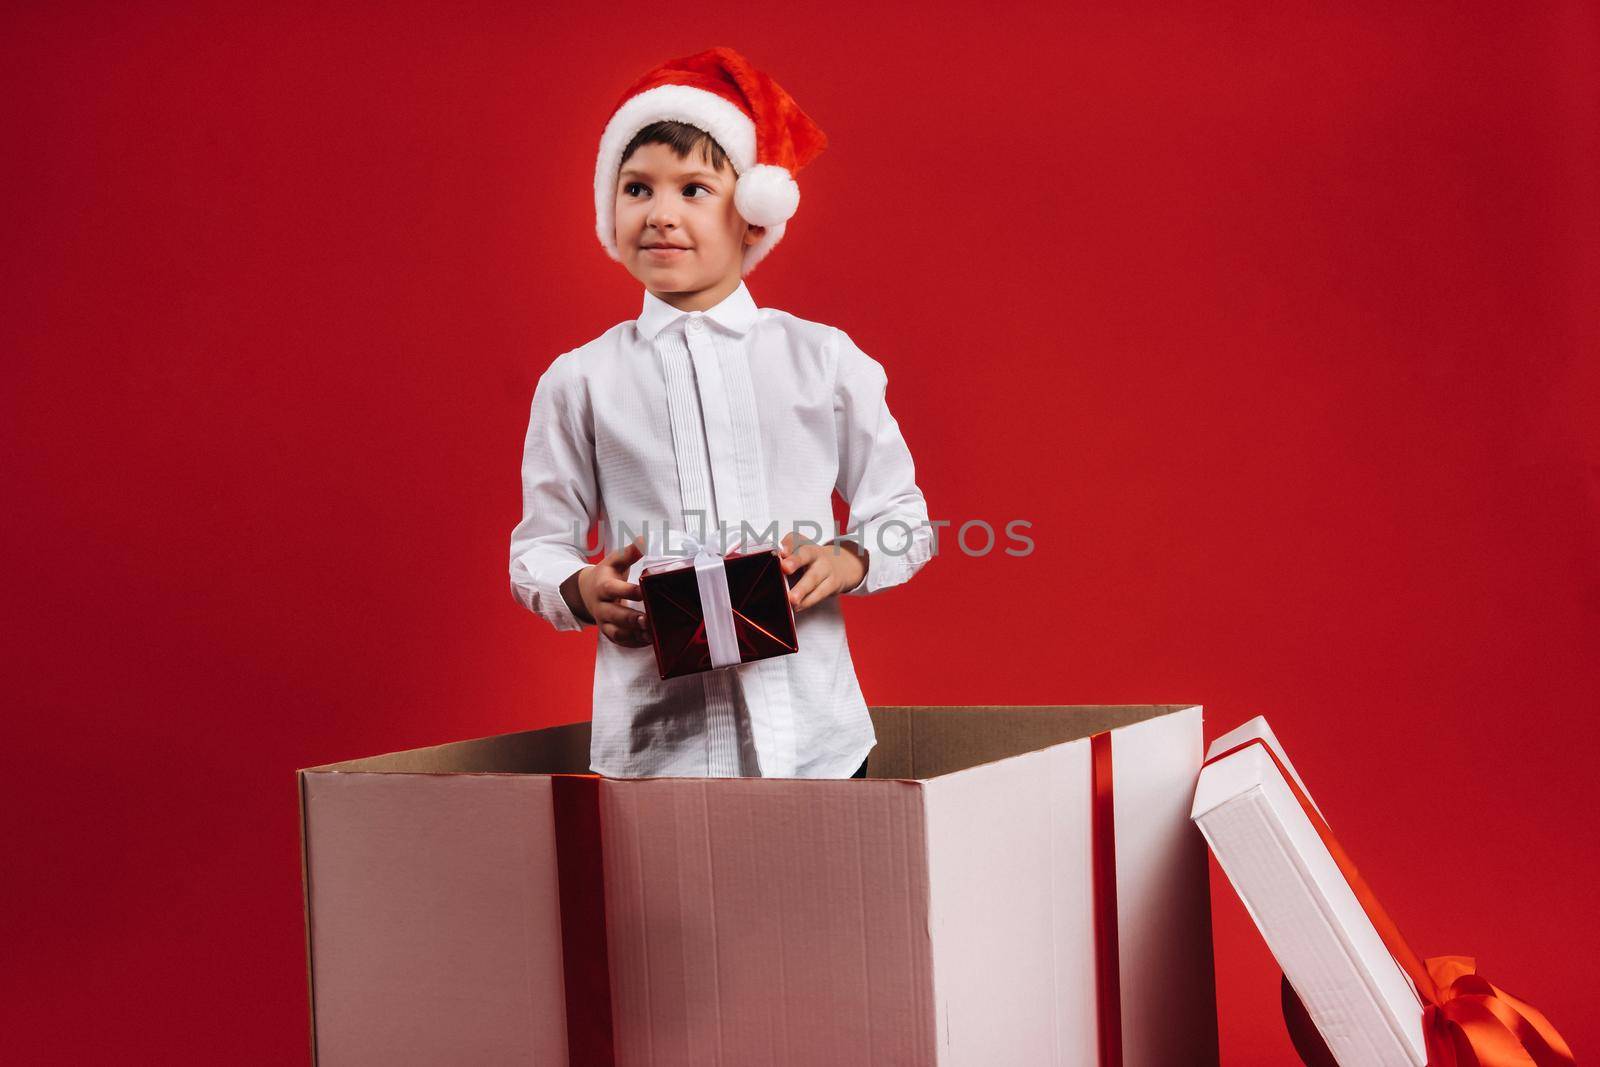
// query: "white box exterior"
[[1357, 995]]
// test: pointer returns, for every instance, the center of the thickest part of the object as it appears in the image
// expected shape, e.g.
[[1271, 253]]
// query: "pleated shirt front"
[[746, 417]]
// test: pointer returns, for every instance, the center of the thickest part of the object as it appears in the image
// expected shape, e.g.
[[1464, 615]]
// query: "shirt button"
[[694, 324]]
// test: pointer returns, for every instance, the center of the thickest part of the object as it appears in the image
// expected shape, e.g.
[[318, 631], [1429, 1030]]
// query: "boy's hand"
[[604, 585], [829, 569]]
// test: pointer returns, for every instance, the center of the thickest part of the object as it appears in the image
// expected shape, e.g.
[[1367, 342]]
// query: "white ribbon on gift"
[[711, 574]]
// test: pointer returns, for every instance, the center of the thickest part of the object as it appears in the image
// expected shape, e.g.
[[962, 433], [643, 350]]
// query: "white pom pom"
[[766, 195]]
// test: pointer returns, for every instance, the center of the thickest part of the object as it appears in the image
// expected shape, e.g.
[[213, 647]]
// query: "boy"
[[708, 413]]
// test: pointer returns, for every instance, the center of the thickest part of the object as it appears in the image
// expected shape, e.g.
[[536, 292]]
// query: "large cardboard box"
[[491, 902]]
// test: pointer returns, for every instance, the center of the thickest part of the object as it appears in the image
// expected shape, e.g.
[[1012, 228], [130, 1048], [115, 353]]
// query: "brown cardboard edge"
[[305, 888], [573, 736], [894, 757], [1106, 717], [890, 758]]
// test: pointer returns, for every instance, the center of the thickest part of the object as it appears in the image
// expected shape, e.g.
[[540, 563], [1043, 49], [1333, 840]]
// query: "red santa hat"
[[765, 134]]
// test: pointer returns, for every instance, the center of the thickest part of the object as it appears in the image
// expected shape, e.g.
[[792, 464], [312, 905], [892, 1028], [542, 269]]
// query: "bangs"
[[682, 138]]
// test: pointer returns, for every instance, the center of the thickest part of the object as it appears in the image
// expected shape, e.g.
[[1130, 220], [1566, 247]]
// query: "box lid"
[[1360, 999]]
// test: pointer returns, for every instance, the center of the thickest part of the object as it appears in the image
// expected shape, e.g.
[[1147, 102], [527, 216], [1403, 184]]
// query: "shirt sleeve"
[[888, 514], [560, 497]]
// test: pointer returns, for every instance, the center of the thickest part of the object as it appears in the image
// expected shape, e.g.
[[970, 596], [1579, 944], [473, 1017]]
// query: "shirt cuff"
[[545, 587], [887, 546]]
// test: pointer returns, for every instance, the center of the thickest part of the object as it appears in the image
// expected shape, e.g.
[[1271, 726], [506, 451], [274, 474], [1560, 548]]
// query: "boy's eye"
[[639, 188]]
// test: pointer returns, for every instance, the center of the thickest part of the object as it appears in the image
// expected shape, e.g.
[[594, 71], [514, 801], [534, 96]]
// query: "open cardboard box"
[[490, 901]]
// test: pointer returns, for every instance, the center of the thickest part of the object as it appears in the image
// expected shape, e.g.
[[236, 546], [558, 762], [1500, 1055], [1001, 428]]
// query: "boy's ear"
[[752, 234]]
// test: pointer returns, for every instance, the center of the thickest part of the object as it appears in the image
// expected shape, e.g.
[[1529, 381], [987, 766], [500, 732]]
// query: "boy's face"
[[677, 228]]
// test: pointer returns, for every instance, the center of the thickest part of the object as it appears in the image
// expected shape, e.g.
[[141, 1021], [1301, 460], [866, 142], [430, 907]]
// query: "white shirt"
[[733, 415]]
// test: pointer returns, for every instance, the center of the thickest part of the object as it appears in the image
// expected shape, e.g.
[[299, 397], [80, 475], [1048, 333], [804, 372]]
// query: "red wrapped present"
[[710, 610]]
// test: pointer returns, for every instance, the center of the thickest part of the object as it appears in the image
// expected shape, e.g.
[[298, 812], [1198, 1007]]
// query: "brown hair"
[[682, 138]]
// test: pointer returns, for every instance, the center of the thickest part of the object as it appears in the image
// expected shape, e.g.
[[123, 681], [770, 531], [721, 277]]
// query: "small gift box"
[[1355, 994], [708, 610]]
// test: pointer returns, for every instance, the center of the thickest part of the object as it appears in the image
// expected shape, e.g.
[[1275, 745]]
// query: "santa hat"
[[763, 131]]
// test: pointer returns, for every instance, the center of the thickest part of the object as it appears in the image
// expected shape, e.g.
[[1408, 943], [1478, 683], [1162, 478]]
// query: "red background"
[[1277, 322]]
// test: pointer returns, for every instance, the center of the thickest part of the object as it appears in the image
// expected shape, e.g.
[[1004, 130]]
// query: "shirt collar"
[[736, 312]]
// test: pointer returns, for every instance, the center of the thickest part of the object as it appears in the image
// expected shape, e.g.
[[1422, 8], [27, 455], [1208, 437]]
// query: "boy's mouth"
[[664, 251]]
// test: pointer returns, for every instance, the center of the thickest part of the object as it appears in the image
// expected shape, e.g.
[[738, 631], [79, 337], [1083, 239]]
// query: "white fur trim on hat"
[[729, 126]]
